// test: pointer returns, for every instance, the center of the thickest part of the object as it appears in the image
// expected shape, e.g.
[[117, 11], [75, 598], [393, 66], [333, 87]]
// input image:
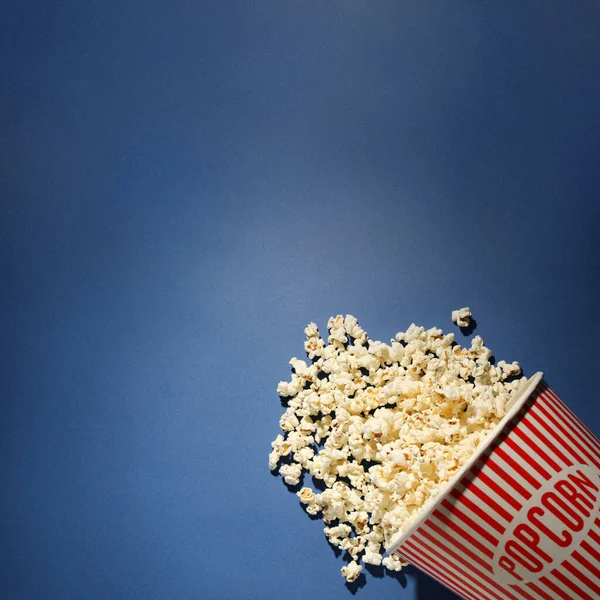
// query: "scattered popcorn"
[[306, 495], [372, 558], [273, 460], [351, 571], [509, 370], [291, 473], [393, 562], [384, 427], [462, 316]]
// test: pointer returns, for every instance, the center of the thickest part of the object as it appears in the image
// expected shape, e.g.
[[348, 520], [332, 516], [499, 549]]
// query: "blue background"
[[186, 184]]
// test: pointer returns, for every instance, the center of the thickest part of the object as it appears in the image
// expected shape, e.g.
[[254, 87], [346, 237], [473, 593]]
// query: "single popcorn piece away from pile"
[[462, 316], [384, 427]]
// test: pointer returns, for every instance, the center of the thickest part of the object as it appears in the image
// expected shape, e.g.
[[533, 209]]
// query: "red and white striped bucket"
[[521, 519]]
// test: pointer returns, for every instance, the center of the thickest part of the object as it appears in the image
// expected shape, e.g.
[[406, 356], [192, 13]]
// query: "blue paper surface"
[[185, 185]]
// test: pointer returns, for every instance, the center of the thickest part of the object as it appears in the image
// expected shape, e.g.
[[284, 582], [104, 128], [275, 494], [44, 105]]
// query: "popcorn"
[[393, 562], [340, 531], [355, 546], [375, 536], [360, 520], [375, 428], [300, 367], [384, 427], [351, 571], [304, 455], [314, 344], [462, 316], [281, 446], [508, 370], [290, 388], [306, 495], [273, 460], [372, 557], [296, 440], [289, 421], [291, 473]]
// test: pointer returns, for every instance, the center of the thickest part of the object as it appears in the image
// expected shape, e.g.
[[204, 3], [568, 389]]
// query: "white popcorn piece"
[[281, 446], [351, 571], [306, 426], [306, 495], [289, 421], [304, 455], [375, 537], [353, 329], [311, 330], [282, 389], [360, 521], [372, 558], [273, 460], [393, 563], [337, 331], [315, 505], [509, 369], [338, 536], [462, 316], [314, 344], [375, 428], [339, 531], [291, 473], [357, 546], [300, 367], [296, 440], [290, 388]]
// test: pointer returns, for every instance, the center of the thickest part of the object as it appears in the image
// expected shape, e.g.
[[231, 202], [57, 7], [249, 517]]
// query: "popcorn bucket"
[[521, 519]]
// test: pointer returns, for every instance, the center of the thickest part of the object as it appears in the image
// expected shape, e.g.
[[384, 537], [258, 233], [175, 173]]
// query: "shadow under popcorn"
[[469, 329], [355, 585]]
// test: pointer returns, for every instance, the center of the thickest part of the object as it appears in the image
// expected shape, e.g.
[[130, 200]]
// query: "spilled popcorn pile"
[[384, 427]]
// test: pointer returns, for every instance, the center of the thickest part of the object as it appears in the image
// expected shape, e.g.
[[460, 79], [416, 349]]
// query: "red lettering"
[[533, 515], [509, 566], [584, 483], [562, 511], [530, 538], [518, 553], [578, 500]]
